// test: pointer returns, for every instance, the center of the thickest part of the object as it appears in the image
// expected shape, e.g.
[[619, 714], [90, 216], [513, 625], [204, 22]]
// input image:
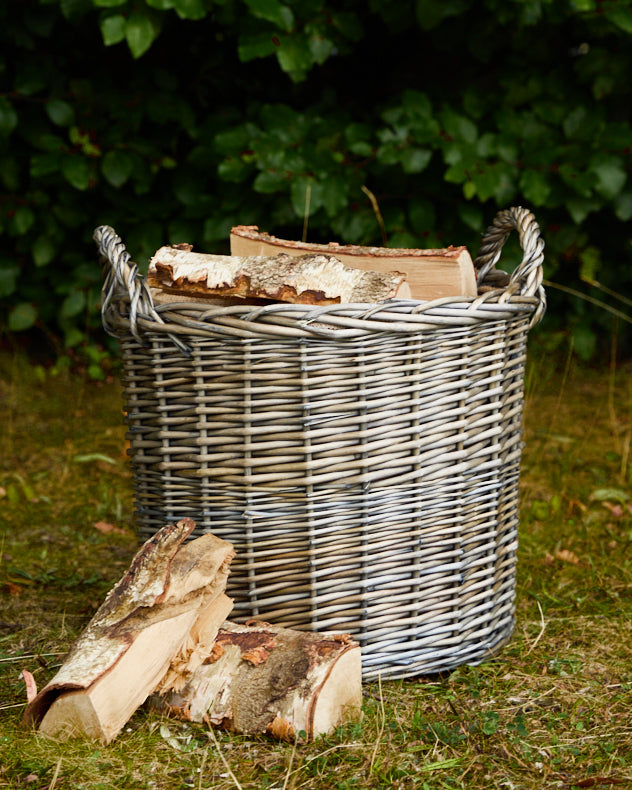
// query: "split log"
[[165, 611], [431, 274], [264, 679], [307, 279]]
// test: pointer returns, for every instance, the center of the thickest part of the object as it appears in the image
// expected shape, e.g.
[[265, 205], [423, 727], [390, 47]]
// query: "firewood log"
[[431, 273], [308, 279], [264, 679], [171, 597]]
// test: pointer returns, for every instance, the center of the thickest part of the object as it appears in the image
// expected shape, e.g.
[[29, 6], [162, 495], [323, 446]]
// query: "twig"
[[377, 212], [308, 197], [53, 781], [289, 771], [202, 767], [382, 725], [543, 626], [208, 723], [591, 299]]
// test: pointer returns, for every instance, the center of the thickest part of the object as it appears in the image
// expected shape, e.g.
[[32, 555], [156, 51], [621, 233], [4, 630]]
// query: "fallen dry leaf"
[[12, 589], [564, 555], [106, 528]]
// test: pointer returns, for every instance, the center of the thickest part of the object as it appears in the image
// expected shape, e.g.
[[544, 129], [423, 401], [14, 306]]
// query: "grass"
[[553, 709]]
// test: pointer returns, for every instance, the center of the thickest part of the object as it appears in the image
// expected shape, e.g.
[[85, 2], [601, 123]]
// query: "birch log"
[[263, 679], [165, 611], [308, 279]]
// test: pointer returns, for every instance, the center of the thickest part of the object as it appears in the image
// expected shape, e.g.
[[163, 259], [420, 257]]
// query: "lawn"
[[553, 709]]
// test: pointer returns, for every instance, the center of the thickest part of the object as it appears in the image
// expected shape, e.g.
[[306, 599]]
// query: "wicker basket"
[[363, 459]]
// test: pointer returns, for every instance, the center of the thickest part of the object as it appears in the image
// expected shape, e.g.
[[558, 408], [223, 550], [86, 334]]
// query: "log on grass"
[[307, 279], [163, 613], [431, 274], [264, 679]]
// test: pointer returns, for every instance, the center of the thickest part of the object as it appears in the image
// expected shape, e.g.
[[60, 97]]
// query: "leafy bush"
[[409, 124]]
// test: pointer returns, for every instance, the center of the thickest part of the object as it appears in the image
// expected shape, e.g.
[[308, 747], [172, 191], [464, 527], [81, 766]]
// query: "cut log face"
[[431, 274], [149, 619], [318, 279], [263, 679]]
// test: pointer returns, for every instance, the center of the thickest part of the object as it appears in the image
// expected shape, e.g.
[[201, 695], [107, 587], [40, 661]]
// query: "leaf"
[[621, 16], [44, 164], [23, 219], [8, 278], [294, 58], [320, 48], [565, 555], [113, 29], [108, 3], [259, 45], [71, 9], [43, 251], [611, 175], [272, 11], [458, 126], [140, 32], [60, 112], [579, 208], [117, 167], [106, 528], [490, 723], [189, 9], [269, 181], [623, 206], [8, 117], [415, 160], [22, 316], [76, 170], [535, 187], [73, 304], [431, 13]]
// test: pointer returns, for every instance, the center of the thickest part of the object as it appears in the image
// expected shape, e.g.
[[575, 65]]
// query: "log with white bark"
[[431, 273], [163, 613], [318, 279], [263, 679]]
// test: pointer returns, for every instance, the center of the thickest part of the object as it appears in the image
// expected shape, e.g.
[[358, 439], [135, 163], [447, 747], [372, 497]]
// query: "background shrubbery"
[[174, 119]]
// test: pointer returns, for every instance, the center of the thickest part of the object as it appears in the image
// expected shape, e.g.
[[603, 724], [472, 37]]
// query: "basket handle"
[[526, 280], [123, 282]]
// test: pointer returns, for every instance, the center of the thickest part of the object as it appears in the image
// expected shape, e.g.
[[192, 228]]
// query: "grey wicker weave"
[[363, 459]]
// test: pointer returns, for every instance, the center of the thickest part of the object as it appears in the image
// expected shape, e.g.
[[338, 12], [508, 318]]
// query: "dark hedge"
[[174, 119]]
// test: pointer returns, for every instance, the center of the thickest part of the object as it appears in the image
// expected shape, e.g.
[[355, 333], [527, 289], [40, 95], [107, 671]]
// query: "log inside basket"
[[431, 274], [308, 279]]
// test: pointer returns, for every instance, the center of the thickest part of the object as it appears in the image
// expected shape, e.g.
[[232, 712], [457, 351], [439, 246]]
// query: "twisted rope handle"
[[526, 280], [124, 283]]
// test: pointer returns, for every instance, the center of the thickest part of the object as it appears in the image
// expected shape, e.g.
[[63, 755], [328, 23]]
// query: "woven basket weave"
[[363, 459]]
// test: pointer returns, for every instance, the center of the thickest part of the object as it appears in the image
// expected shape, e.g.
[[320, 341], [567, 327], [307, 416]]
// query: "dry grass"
[[554, 709]]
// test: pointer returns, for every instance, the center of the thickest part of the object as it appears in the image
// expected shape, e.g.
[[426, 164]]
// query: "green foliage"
[[200, 114]]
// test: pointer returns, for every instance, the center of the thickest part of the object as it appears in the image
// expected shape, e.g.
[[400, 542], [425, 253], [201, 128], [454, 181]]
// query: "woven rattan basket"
[[363, 459]]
